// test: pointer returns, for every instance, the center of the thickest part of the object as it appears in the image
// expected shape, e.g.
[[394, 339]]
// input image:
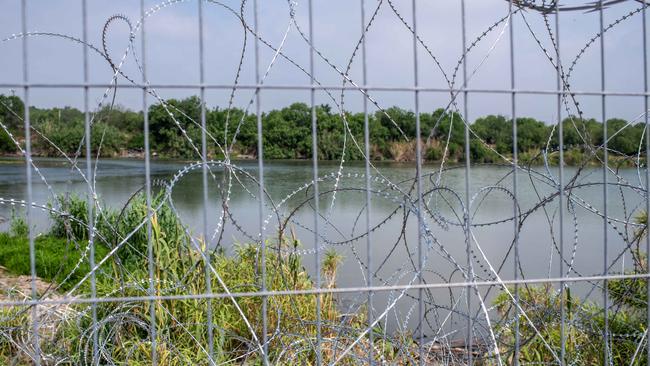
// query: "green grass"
[[56, 258]]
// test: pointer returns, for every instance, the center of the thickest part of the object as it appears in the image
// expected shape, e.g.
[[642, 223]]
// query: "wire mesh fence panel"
[[324, 182]]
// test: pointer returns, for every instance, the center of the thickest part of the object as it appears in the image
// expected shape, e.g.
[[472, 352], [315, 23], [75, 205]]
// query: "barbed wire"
[[439, 211]]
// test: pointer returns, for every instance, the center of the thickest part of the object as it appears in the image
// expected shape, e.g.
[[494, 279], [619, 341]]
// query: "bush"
[[18, 225], [6, 144], [111, 227], [65, 136], [584, 327], [74, 222], [435, 153], [479, 153], [135, 250]]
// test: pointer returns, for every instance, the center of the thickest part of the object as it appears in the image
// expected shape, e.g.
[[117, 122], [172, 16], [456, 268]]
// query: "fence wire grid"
[[435, 294]]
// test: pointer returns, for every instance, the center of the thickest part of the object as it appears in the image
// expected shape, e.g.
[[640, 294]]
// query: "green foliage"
[[287, 133], [585, 322], [434, 153], [133, 216], [62, 136], [495, 131], [441, 125], [331, 262], [479, 153], [623, 138], [74, 221], [6, 143], [631, 293], [583, 329], [56, 258], [18, 226], [531, 134], [112, 227], [12, 111], [176, 273], [67, 137], [120, 118]]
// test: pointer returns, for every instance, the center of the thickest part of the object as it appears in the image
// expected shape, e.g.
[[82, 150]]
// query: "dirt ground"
[[19, 287]]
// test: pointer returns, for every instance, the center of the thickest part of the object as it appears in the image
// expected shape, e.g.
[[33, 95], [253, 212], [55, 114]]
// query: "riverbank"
[[287, 133], [572, 157]]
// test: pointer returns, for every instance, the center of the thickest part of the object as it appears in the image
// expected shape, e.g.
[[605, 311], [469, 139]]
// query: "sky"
[[172, 53]]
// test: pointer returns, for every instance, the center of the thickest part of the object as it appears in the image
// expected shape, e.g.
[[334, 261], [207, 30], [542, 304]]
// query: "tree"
[[495, 131], [167, 123], [12, 111], [623, 138], [6, 144], [531, 134]]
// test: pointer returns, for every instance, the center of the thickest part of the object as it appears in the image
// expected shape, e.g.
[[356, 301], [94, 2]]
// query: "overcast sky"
[[173, 53]]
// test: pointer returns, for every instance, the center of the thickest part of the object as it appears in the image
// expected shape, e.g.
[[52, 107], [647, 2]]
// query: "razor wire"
[[422, 203]]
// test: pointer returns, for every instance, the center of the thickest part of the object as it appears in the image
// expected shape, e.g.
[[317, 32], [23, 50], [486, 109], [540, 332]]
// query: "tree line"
[[175, 132]]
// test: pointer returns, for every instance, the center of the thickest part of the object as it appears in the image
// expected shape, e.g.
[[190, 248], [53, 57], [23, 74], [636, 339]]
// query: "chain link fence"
[[500, 241]]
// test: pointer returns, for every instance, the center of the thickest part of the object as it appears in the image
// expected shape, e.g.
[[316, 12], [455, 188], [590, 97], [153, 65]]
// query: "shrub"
[[74, 221], [112, 227], [12, 327], [435, 153], [542, 306], [18, 225], [584, 326], [6, 143]]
